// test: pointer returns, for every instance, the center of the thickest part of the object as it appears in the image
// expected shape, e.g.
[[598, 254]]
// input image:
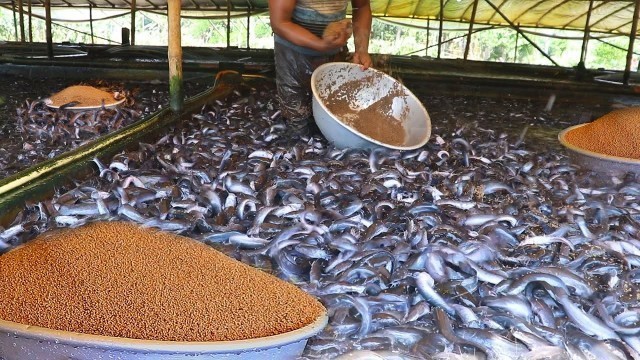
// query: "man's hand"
[[363, 59], [336, 27], [280, 12], [335, 41], [361, 30]]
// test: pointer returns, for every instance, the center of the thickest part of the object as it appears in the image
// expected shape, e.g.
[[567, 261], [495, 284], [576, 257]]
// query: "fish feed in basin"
[[608, 145], [83, 97], [367, 109], [116, 290]]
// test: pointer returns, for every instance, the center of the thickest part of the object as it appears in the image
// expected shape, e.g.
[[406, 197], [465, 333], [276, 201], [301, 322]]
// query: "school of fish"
[[37, 132], [480, 245]]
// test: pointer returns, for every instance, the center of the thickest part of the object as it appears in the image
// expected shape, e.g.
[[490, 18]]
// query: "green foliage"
[[606, 55], [6, 25]]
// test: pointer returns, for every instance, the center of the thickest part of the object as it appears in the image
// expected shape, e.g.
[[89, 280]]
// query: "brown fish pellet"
[[616, 133], [119, 279], [84, 95]]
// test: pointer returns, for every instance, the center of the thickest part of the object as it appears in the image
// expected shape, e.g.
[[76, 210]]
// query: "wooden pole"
[[133, 22], [515, 48], [15, 19], [632, 40], [125, 34], [91, 23], [21, 17], [30, 26], [248, 25], [426, 50], [440, 29], [176, 92], [473, 20], [48, 35], [228, 23], [587, 30]]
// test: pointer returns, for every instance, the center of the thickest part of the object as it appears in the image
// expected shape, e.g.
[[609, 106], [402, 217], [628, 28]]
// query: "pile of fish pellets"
[[486, 243], [120, 279], [616, 133], [82, 96]]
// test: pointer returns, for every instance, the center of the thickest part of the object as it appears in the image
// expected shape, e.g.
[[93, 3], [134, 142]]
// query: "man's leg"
[[293, 82]]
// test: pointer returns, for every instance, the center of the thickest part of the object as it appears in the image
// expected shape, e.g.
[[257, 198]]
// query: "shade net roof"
[[612, 17]]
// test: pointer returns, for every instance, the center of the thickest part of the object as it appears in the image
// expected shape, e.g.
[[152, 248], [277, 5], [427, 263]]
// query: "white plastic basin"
[[21, 342], [329, 78]]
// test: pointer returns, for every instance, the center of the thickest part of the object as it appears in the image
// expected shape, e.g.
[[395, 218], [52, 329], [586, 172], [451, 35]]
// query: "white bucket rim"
[[109, 105], [61, 338]]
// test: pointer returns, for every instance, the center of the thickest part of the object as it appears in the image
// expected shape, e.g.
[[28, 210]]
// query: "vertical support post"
[[21, 17], [426, 50], [15, 19], [30, 16], [133, 22], [471, 21], [176, 92], [585, 38], [248, 25], [125, 35], [440, 29], [49, 36], [632, 40], [91, 23], [228, 23], [515, 48]]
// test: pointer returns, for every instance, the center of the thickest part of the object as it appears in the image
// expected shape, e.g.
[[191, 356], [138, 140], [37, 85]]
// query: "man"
[[300, 47]]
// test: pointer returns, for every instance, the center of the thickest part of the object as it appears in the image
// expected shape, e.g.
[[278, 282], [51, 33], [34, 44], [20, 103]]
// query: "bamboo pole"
[[248, 25], [632, 40], [471, 21], [441, 27], [21, 17], [48, 34], [426, 50], [15, 19], [133, 22], [176, 92], [228, 23], [91, 22], [30, 26], [587, 30], [515, 47]]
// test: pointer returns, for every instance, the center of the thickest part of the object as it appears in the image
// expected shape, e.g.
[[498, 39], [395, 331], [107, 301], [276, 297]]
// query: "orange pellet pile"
[[616, 133], [84, 95], [118, 279]]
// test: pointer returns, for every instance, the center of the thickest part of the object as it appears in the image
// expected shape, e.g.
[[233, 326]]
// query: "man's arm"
[[362, 18], [280, 12]]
